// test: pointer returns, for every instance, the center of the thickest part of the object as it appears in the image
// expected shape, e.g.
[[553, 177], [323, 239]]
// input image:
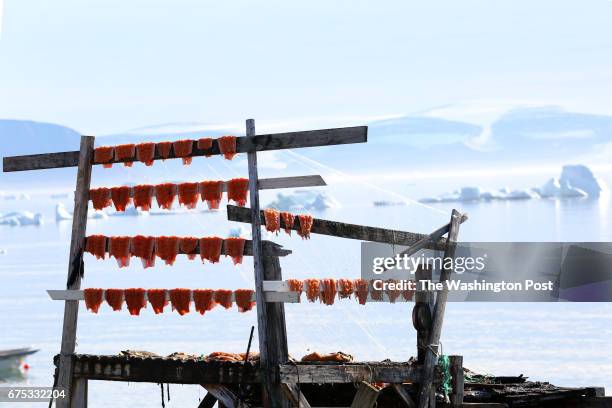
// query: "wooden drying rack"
[[279, 379]]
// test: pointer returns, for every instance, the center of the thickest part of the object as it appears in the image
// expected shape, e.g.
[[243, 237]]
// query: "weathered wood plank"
[[291, 182], [344, 230], [349, 373], [208, 401], [79, 393], [75, 269], [163, 370], [404, 395], [224, 395], [272, 337], [295, 396], [275, 141], [365, 397], [40, 161], [78, 295], [272, 249], [422, 311], [438, 314], [278, 182], [457, 380]]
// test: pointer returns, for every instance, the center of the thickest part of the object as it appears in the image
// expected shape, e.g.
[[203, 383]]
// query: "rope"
[[444, 365]]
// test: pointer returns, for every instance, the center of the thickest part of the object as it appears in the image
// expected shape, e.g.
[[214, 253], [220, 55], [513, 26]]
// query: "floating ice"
[[580, 177], [21, 218], [300, 200]]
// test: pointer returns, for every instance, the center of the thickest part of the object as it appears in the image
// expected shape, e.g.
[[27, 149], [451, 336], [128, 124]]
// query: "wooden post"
[[431, 356], [365, 397], [75, 271], [270, 318], [457, 380], [421, 312], [79, 393]]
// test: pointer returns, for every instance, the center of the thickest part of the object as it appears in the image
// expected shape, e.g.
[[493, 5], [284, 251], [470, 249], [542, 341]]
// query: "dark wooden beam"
[[271, 248], [349, 373], [275, 141], [208, 401], [344, 230], [163, 370]]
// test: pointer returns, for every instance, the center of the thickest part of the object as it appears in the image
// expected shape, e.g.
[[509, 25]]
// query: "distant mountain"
[[509, 136]]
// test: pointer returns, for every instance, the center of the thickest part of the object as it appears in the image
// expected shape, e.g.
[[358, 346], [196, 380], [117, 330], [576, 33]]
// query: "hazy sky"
[[108, 66]]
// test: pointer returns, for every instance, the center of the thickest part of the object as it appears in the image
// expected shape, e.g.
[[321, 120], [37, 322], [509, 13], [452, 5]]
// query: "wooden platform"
[[157, 369]]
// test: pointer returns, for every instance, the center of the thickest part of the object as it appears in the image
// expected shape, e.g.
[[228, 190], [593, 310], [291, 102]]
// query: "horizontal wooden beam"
[[278, 182], [275, 141], [163, 370], [349, 373], [344, 230], [272, 297], [271, 248], [283, 287]]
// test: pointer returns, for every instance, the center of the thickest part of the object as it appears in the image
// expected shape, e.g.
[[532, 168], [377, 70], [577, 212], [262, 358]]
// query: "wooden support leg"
[[79, 393], [208, 401], [421, 313], [431, 358], [75, 265], [295, 396], [457, 379], [223, 395], [404, 395], [365, 397]]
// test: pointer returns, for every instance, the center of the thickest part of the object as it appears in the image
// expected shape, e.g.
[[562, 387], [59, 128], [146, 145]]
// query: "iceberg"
[[521, 195], [551, 188], [469, 194], [581, 178], [129, 212], [569, 191], [22, 218], [300, 200], [61, 213]]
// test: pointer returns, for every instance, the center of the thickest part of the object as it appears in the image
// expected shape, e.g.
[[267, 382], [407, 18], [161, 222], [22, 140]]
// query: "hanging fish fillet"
[[100, 197], [288, 220], [93, 298], [145, 153], [227, 146], [211, 192], [243, 300], [237, 189], [135, 300], [183, 149], [210, 249], [305, 225], [234, 247], [143, 247], [121, 197], [375, 294], [328, 294], [180, 299], [346, 288], [96, 245], [164, 195], [362, 288], [157, 299], [224, 297], [393, 294], [338, 357], [189, 194], [114, 298], [166, 248], [189, 246], [119, 248], [125, 151], [163, 149], [143, 196], [408, 294], [272, 218], [313, 289], [204, 300], [205, 143], [104, 155]]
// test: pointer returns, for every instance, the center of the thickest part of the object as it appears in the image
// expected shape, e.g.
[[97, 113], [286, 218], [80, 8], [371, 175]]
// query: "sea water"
[[563, 343]]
